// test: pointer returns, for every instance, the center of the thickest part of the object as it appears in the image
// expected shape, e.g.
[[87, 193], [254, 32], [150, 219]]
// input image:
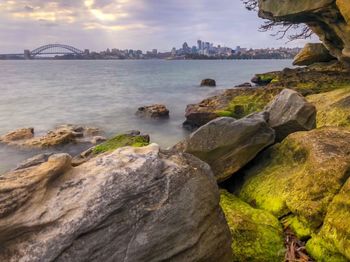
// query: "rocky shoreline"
[[265, 175]]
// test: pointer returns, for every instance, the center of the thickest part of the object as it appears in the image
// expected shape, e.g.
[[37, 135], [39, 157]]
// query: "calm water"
[[106, 94]]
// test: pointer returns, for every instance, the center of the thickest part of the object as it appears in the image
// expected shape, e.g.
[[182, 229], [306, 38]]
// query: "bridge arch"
[[55, 49]]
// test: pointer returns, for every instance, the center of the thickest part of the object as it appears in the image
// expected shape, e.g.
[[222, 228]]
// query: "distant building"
[[199, 45]]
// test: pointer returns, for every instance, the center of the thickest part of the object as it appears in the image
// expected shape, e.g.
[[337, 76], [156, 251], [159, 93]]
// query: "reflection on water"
[[106, 94]]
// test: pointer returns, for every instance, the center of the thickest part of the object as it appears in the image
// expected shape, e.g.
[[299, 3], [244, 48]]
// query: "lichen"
[[256, 234], [121, 141]]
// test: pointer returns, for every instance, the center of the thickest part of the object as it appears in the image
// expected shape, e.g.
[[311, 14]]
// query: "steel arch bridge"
[[55, 49]]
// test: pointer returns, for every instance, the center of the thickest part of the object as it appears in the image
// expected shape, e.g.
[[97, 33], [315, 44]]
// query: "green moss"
[[323, 251], [243, 105], [121, 141], [300, 228], [300, 176], [266, 77], [223, 113], [329, 111], [275, 80], [256, 234]]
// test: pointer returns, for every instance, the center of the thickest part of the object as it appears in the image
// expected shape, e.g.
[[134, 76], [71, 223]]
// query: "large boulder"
[[208, 82], [329, 19], [256, 234], [313, 53], [227, 144], [134, 204], [16, 135], [290, 112], [298, 178]]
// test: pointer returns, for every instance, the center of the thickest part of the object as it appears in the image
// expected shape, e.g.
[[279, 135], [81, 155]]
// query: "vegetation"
[[121, 141]]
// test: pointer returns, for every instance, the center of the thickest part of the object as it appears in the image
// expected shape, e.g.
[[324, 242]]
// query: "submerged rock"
[[19, 134], [313, 53], [299, 177], [61, 135], [289, 112], [227, 144], [153, 111], [134, 204], [256, 234], [208, 82]]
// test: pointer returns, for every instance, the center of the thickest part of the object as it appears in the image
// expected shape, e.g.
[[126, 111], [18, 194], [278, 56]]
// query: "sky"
[[130, 24]]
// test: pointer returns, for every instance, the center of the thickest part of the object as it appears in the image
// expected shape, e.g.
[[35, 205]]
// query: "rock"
[[333, 108], [98, 139], [16, 135], [333, 241], [227, 144], [153, 111], [329, 19], [256, 234], [134, 204], [132, 138], [245, 85], [34, 161], [313, 53], [236, 102], [64, 134], [289, 112], [263, 79], [299, 177], [208, 82]]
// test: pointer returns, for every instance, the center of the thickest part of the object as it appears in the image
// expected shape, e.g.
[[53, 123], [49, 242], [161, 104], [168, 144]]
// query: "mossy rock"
[[332, 243], [121, 141], [247, 103], [333, 108], [300, 176], [256, 234]]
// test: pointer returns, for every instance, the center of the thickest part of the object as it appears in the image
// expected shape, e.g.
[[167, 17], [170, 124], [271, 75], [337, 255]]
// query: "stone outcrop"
[[298, 178], [289, 112], [61, 135], [227, 144], [134, 204], [313, 53], [256, 234], [208, 82], [236, 102], [329, 19], [153, 111]]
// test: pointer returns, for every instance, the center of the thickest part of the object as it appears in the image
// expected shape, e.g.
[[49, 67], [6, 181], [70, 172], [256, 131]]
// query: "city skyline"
[[137, 24]]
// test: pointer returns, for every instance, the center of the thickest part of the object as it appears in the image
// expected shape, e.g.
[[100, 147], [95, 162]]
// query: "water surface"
[[106, 94]]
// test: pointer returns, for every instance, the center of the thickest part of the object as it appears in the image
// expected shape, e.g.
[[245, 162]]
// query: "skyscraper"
[[199, 43]]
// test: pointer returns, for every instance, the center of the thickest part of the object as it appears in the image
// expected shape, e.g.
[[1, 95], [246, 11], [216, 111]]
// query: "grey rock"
[[290, 112], [208, 82], [227, 144], [34, 161], [134, 204]]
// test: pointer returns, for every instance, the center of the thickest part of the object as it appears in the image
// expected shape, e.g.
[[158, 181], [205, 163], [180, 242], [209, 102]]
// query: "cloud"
[[138, 24]]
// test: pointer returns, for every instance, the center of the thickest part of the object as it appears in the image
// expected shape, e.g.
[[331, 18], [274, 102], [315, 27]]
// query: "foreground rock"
[[299, 178], [61, 135], [208, 82], [135, 204], [289, 112], [153, 111], [313, 53], [227, 144], [256, 234], [329, 19], [237, 103]]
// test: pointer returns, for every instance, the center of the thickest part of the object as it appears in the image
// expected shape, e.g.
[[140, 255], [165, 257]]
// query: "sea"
[[106, 93]]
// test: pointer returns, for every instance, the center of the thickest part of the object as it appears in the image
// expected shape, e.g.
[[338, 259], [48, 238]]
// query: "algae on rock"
[[300, 176], [256, 234]]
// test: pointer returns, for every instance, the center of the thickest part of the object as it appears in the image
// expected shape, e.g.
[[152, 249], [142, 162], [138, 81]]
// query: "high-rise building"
[[199, 43]]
